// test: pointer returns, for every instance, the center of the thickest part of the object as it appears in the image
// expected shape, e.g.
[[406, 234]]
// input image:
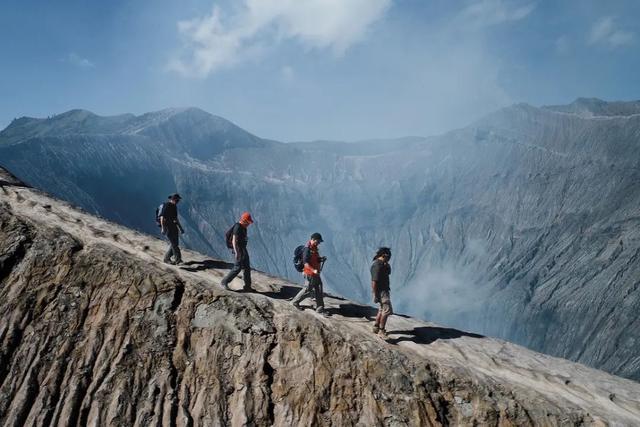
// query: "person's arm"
[[374, 289], [234, 243], [375, 276], [162, 224]]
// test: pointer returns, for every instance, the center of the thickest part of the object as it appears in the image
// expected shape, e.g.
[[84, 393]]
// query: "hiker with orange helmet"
[[237, 242]]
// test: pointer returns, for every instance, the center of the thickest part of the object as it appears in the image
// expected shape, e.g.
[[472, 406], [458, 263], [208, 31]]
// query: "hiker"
[[237, 242], [380, 271], [169, 226], [311, 271]]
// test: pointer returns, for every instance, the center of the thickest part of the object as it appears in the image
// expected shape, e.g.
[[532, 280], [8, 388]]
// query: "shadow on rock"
[[359, 311], [429, 334], [207, 264], [285, 292]]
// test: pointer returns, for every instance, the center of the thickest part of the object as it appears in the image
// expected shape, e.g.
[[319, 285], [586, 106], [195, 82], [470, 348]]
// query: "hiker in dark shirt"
[[241, 255], [312, 267], [170, 225], [380, 271]]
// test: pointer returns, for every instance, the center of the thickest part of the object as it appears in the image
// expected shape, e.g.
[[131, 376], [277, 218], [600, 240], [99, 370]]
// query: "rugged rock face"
[[96, 331], [522, 226]]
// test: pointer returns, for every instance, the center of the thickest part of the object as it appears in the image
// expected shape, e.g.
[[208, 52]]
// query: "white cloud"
[[486, 13], [606, 32], [217, 40], [75, 59]]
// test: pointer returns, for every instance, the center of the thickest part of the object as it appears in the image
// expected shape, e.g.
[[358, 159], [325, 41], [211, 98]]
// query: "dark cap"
[[175, 196], [383, 251], [317, 236]]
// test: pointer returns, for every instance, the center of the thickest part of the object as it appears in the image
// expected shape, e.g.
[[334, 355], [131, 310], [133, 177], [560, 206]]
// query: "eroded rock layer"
[[94, 330]]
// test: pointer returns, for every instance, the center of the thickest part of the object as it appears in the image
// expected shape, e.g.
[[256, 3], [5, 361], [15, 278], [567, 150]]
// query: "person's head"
[[383, 253], [316, 238], [245, 219], [175, 198]]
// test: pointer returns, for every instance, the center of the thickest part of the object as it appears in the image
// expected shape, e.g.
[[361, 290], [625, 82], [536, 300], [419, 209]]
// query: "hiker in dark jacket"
[[312, 267], [241, 255], [170, 225], [380, 271]]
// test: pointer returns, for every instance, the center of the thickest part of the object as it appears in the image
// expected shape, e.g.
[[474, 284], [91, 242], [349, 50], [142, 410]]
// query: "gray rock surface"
[[521, 226], [95, 330]]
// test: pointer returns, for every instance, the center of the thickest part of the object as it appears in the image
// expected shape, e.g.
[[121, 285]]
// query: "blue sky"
[[316, 69]]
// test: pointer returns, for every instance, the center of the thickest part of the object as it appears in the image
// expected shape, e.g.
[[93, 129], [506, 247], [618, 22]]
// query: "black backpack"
[[298, 262], [228, 237], [159, 210]]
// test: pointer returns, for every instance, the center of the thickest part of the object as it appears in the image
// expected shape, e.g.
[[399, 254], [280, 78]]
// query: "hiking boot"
[[383, 334], [178, 262], [168, 261], [321, 310], [375, 329]]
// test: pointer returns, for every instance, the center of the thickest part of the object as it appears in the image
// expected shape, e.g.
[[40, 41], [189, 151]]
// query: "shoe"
[[383, 334], [296, 305], [168, 261], [179, 262], [375, 329], [321, 310]]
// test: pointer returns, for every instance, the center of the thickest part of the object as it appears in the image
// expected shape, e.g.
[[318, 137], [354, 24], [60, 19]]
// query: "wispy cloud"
[[75, 59], [220, 40], [606, 32], [486, 13]]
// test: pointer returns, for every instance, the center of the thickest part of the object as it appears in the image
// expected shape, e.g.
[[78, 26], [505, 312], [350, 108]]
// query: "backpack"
[[298, 262], [228, 237], [159, 210]]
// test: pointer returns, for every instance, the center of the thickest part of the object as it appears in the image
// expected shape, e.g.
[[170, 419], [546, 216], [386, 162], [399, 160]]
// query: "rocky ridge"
[[96, 331]]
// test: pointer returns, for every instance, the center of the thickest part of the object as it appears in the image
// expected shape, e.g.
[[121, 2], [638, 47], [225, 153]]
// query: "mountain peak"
[[75, 114], [84, 122], [595, 107], [192, 115]]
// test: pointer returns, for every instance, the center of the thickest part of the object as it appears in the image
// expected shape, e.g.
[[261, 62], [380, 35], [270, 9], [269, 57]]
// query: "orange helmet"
[[246, 218]]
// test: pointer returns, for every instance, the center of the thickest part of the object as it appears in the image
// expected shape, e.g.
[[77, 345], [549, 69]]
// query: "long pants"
[[243, 264], [174, 244], [314, 287]]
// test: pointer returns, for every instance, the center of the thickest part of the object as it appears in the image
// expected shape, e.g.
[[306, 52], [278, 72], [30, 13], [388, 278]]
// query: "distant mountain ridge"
[[83, 122], [523, 225], [594, 107]]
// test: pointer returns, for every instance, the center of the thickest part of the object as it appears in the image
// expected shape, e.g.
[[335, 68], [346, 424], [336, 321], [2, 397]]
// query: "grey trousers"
[[174, 244], [243, 265], [313, 287]]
